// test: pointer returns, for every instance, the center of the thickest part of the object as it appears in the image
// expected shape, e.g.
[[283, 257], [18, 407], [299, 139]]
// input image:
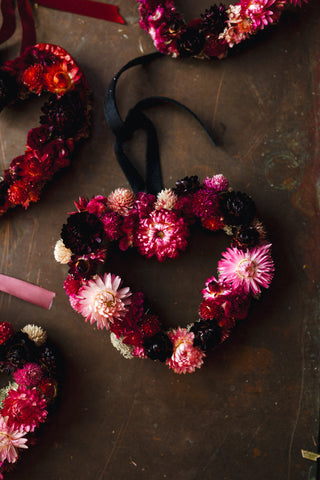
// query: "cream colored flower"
[[35, 333], [125, 350], [62, 254], [166, 199]]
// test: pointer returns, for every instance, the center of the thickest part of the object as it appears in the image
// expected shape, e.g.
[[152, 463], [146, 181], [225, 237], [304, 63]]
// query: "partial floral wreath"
[[25, 403], [215, 32], [44, 68], [160, 226]]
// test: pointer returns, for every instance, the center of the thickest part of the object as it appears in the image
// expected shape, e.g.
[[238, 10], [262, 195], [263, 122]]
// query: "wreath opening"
[[159, 227], [33, 365], [65, 119]]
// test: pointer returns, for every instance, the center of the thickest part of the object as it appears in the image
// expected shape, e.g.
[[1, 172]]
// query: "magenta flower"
[[25, 407], [185, 358], [219, 183], [261, 12], [162, 234], [29, 376], [102, 301], [10, 441], [247, 270]]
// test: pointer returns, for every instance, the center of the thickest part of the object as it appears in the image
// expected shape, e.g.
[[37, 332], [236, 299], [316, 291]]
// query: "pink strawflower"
[[29, 376], [261, 12], [98, 205], [185, 358], [162, 234], [247, 270], [102, 301], [10, 441], [121, 200], [216, 289], [25, 407], [218, 183]]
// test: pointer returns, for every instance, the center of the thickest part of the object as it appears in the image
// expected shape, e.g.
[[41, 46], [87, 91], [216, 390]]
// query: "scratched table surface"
[[255, 403]]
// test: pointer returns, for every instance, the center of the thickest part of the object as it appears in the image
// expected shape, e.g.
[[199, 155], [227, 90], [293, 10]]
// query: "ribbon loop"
[[137, 120]]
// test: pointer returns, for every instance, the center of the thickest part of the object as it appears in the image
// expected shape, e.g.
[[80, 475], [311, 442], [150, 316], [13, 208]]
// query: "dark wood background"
[[255, 403]]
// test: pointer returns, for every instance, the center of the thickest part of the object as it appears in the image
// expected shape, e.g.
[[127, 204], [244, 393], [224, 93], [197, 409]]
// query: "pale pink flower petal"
[[248, 270], [10, 441], [185, 358], [102, 301]]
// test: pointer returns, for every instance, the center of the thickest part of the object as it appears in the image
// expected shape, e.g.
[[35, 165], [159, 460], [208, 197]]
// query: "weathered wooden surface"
[[255, 403]]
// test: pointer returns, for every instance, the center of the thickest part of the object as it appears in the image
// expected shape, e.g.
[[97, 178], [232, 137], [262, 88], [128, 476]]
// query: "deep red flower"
[[6, 331], [33, 78], [21, 193], [210, 309]]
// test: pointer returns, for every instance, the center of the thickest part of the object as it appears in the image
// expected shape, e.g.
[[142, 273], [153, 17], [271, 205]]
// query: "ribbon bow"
[[87, 8]]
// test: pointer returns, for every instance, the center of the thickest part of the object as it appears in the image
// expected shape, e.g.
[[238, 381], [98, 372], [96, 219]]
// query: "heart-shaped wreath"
[[44, 68], [215, 32], [35, 365], [159, 226]]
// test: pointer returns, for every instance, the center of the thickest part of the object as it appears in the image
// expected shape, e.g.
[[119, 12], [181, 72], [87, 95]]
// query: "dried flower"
[[29, 376], [166, 199], [185, 358], [248, 270], [121, 200], [162, 234], [10, 440], [36, 334], [62, 254], [102, 301], [26, 409]]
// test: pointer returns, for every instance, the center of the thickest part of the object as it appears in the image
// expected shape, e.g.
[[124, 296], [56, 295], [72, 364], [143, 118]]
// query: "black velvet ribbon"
[[135, 120]]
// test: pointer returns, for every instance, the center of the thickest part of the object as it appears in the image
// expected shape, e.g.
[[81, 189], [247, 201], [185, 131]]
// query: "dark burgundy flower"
[[214, 19], [187, 185], [246, 237], [158, 347], [237, 208], [207, 334], [190, 42], [83, 233], [38, 136], [65, 115]]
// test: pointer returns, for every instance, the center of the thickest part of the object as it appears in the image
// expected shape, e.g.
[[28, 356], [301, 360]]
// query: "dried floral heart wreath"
[[35, 365], [159, 226], [44, 68], [215, 32]]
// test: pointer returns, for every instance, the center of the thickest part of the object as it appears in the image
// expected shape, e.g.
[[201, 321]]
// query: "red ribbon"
[[88, 8]]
